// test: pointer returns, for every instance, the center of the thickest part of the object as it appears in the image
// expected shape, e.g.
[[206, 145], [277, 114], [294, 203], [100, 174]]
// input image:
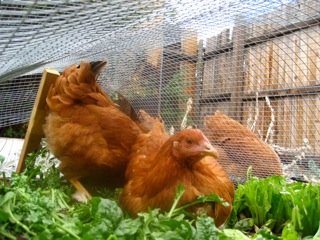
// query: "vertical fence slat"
[[199, 79], [239, 36]]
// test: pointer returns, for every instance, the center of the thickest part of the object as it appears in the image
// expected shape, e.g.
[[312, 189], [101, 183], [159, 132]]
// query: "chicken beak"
[[97, 66], [209, 150]]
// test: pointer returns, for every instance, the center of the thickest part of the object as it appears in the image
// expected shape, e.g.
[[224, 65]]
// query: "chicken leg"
[[81, 195]]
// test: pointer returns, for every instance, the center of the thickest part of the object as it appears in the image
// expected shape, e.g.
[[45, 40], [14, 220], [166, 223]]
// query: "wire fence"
[[257, 61]]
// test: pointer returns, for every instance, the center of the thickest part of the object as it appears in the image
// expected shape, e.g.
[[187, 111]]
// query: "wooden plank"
[[312, 114], [178, 56], [272, 94], [210, 69], [288, 61], [225, 37], [199, 80], [275, 105], [282, 64], [246, 72], [260, 121], [272, 136], [223, 72], [252, 69], [280, 117], [228, 83], [208, 78], [189, 43], [259, 69], [279, 32], [304, 57], [211, 44], [269, 62], [218, 73], [189, 47], [297, 61], [216, 98], [274, 78], [266, 118], [293, 124], [237, 75], [307, 111], [215, 76], [312, 43], [300, 124], [35, 131], [287, 118], [245, 113], [317, 124], [216, 51], [291, 60], [279, 123], [264, 66], [249, 116], [316, 35], [154, 56], [285, 30]]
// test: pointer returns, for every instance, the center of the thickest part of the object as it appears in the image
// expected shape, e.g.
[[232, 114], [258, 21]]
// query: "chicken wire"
[[257, 61]]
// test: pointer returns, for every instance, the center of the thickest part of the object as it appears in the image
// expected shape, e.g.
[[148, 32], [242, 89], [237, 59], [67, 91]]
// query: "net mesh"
[[257, 61]]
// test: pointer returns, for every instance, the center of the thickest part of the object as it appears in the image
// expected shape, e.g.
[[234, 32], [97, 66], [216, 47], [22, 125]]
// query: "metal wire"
[[257, 61]]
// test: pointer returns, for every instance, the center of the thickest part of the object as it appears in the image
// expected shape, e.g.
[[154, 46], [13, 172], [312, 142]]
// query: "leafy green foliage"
[[288, 209], [16, 131], [173, 105], [37, 205]]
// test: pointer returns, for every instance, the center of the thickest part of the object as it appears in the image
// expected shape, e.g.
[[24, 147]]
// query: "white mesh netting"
[[257, 61]]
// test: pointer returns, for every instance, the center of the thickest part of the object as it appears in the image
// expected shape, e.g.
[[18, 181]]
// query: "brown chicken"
[[242, 148], [124, 105], [148, 143], [86, 131], [160, 163]]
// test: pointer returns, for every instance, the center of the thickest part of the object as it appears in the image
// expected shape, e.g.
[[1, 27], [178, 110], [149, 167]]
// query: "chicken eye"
[[189, 141], [78, 66]]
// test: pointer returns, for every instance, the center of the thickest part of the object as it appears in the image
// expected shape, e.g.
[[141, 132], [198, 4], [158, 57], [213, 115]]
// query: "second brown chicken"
[[160, 163], [241, 148]]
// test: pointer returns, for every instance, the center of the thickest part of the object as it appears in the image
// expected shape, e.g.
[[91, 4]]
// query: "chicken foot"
[[81, 195]]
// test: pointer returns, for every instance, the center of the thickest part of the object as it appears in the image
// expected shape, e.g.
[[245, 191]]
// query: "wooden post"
[[238, 76], [189, 47], [35, 131], [199, 79]]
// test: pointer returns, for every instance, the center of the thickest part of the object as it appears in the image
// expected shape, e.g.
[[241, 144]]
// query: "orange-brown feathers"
[[147, 144], [85, 129], [185, 158], [241, 147]]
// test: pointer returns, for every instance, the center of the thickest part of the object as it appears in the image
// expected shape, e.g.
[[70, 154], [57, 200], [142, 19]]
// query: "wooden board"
[[35, 131], [312, 42], [237, 75], [275, 65]]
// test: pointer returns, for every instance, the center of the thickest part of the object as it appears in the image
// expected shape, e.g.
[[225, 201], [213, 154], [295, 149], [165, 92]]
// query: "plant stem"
[[63, 228], [112, 237], [179, 194], [8, 235], [19, 223]]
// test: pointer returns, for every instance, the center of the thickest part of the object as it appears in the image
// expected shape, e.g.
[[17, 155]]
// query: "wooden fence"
[[268, 61], [263, 72]]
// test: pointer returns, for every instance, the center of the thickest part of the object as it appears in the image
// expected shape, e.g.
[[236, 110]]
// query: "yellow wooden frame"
[[35, 128]]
